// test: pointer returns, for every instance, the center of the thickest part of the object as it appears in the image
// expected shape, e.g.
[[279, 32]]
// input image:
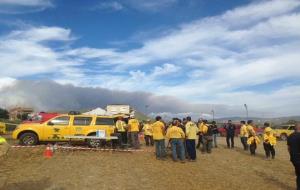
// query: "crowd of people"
[[182, 136]]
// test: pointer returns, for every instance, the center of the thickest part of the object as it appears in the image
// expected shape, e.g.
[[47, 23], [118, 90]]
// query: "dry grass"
[[223, 169]]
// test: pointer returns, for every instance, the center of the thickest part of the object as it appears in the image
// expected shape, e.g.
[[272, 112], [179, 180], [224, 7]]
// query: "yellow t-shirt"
[[133, 125], [200, 126], [250, 129], [175, 132], [204, 128], [191, 130], [244, 131], [120, 125], [158, 128], [147, 129]]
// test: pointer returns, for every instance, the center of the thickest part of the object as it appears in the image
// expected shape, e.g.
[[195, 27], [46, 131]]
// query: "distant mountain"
[[276, 120]]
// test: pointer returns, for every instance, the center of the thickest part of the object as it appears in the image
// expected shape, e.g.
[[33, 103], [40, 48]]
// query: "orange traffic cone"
[[48, 152]]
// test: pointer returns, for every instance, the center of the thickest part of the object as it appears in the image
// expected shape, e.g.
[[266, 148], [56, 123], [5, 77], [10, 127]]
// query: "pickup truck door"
[[57, 128], [81, 125]]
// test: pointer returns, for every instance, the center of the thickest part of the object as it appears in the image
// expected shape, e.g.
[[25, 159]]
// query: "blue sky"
[[199, 51]]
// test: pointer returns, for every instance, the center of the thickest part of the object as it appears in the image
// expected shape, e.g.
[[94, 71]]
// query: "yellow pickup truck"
[[55, 129], [283, 131]]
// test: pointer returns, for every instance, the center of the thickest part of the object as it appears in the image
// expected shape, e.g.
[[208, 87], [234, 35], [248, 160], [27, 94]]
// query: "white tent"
[[97, 111]]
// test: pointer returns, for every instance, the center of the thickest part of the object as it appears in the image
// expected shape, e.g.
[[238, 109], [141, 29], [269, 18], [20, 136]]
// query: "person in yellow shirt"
[[133, 129], [250, 127], [269, 141], [121, 128], [158, 131], [2, 128], [244, 135], [176, 135], [200, 125], [191, 131], [207, 138], [253, 141], [148, 133]]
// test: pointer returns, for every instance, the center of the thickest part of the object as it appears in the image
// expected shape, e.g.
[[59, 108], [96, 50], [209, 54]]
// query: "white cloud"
[[23, 6], [6, 82], [216, 59], [25, 53], [109, 5], [153, 5]]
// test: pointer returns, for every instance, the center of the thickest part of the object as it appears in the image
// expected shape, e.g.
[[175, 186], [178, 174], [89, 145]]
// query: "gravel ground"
[[223, 169]]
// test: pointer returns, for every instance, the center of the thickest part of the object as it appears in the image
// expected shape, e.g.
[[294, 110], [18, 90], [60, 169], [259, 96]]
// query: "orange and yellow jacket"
[[270, 138], [252, 139]]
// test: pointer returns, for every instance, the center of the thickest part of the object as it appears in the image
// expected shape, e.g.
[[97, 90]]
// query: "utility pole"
[[246, 107], [213, 114]]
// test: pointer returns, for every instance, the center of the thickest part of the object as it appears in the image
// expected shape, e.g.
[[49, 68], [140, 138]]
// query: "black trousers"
[[200, 141], [244, 142], [297, 171], [253, 147], [269, 150], [230, 141]]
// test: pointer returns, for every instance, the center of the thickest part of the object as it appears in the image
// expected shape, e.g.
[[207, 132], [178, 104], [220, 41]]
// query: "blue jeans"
[[181, 151], [215, 140], [160, 149]]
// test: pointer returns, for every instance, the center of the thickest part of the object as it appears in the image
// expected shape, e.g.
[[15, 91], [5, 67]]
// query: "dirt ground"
[[26, 168]]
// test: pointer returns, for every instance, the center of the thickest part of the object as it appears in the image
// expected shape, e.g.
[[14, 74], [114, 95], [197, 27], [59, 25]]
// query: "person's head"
[[204, 121], [266, 124], [249, 122], [188, 118], [213, 122], [297, 128], [243, 122], [132, 117], [120, 118], [229, 121], [158, 118], [148, 121], [175, 122]]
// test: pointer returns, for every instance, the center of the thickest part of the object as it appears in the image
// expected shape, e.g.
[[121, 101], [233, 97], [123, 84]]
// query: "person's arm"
[[129, 125], [288, 144], [182, 133], [187, 130], [163, 128], [168, 134]]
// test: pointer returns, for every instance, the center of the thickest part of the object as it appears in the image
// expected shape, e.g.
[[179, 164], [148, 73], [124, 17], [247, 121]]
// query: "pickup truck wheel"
[[28, 139], [94, 143], [283, 137]]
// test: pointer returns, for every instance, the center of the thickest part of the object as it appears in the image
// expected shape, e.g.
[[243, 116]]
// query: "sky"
[[177, 56]]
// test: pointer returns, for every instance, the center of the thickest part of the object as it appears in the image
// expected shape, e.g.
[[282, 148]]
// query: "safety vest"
[[120, 126]]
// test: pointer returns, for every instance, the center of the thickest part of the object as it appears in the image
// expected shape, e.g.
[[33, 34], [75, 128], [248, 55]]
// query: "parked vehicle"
[[55, 129], [283, 131], [259, 131]]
